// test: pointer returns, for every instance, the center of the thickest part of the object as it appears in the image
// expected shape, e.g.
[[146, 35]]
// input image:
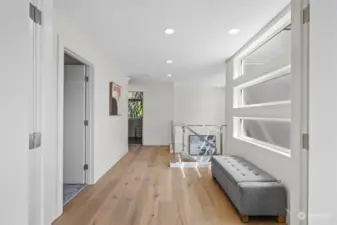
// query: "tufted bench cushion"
[[240, 170], [253, 191]]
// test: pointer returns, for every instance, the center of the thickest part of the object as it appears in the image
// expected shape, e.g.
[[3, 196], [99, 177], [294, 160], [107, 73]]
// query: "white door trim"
[[61, 49], [300, 112]]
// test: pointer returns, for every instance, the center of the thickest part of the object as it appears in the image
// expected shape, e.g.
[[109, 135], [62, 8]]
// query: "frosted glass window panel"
[[272, 55], [274, 90], [272, 132]]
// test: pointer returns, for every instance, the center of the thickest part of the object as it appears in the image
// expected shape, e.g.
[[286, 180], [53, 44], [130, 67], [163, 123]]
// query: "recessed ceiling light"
[[169, 31], [169, 61], [233, 31], [169, 75]]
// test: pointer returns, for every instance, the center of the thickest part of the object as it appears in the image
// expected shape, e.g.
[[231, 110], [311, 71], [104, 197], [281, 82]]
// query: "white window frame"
[[271, 111], [261, 38], [239, 134], [242, 84]]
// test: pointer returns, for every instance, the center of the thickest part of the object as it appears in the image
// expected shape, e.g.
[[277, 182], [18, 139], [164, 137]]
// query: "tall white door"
[[299, 113], [74, 129], [35, 154], [16, 114]]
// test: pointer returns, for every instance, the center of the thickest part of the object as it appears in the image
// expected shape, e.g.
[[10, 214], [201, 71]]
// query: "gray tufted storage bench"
[[252, 191]]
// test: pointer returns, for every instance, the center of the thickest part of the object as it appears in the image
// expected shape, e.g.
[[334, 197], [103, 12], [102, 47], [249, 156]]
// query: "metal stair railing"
[[218, 129]]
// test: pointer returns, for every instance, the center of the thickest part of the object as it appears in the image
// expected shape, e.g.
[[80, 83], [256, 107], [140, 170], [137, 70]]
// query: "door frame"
[[300, 109], [61, 49], [143, 116]]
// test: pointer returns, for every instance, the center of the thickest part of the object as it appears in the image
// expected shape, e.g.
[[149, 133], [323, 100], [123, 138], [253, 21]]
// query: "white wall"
[[163, 102], [199, 105], [276, 164], [323, 111], [109, 133], [158, 111], [284, 167]]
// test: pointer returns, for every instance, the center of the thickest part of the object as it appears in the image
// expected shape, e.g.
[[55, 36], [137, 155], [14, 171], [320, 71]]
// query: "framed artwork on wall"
[[115, 92]]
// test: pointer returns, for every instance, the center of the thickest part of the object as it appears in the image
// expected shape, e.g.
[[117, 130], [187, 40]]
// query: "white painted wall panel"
[[199, 105], [281, 166], [323, 111], [158, 111], [110, 132]]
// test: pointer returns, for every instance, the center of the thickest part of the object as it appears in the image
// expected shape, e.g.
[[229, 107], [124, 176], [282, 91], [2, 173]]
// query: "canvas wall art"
[[114, 99], [202, 144]]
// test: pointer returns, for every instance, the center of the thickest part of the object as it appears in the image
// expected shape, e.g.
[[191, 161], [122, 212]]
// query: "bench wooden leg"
[[245, 219], [281, 219]]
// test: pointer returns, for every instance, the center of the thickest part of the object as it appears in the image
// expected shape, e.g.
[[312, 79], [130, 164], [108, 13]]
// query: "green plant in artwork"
[[135, 105]]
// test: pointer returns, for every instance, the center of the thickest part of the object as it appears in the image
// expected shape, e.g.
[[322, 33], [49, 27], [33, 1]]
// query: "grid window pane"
[[272, 55], [273, 90], [272, 132]]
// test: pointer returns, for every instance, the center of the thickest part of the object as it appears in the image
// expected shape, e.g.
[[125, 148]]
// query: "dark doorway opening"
[[135, 106]]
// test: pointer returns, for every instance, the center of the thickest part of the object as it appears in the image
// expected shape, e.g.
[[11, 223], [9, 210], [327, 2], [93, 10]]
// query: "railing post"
[[221, 140], [183, 127], [173, 138]]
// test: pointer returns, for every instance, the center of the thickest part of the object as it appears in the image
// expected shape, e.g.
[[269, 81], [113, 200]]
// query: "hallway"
[[142, 190]]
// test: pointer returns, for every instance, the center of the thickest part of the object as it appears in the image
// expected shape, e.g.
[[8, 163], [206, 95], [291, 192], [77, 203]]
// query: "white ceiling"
[[132, 33]]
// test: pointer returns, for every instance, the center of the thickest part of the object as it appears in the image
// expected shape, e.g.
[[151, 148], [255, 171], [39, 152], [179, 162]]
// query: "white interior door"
[[300, 113], [16, 89], [35, 160], [74, 129]]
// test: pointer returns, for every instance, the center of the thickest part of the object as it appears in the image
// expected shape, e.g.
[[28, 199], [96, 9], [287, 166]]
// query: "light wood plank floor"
[[142, 190]]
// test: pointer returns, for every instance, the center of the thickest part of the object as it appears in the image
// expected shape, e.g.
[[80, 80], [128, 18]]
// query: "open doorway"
[[135, 107], [75, 125]]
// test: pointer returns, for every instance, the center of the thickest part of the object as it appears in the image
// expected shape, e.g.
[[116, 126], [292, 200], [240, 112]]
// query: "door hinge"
[[35, 14], [32, 12], [86, 123], [86, 78], [31, 141], [306, 15], [86, 167], [34, 140], [305, 141]]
